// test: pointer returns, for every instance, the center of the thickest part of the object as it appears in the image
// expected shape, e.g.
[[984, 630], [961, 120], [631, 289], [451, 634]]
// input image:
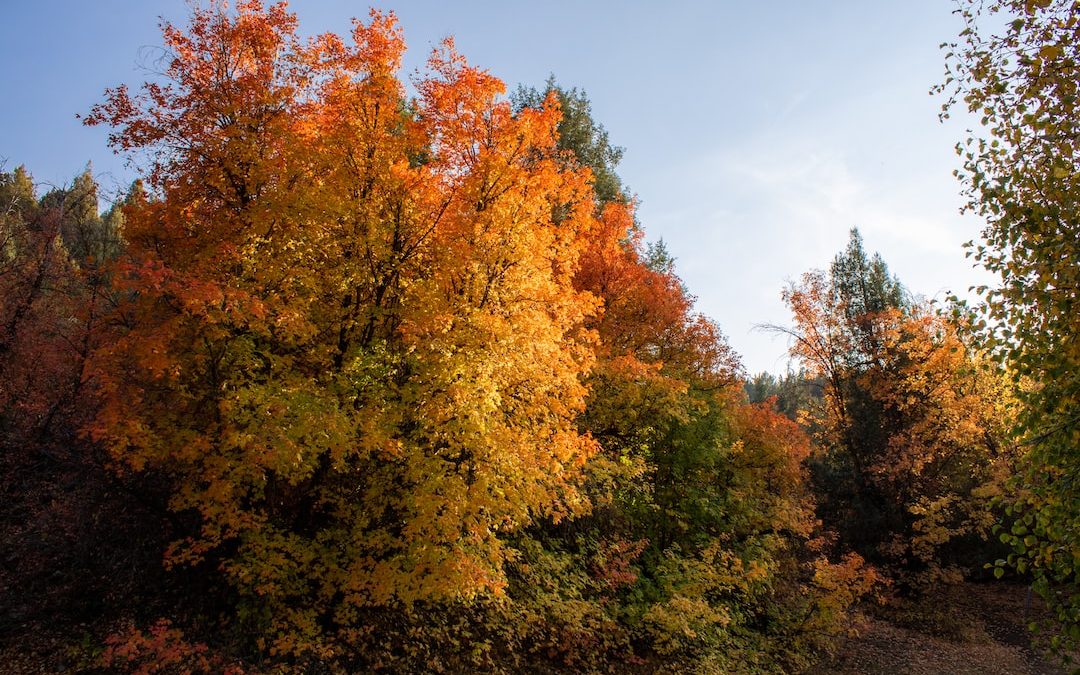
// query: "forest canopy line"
[[353, 381]]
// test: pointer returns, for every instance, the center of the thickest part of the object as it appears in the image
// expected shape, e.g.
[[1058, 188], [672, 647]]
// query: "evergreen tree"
[[18, 200], [582, 135], [793, 391], [863, 287]]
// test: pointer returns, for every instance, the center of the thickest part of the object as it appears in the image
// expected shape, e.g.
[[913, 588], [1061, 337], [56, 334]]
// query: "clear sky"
[[756, 134]]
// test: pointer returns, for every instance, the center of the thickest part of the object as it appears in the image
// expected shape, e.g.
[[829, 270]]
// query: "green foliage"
[[793, 391], [582, 135], [863, 286], [18, 200], [910, 425], [88, 237], [1021, 176], [416, 393], [704, 495]]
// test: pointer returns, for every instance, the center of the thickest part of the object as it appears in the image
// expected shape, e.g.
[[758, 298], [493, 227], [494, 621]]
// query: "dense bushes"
[[396, 385]]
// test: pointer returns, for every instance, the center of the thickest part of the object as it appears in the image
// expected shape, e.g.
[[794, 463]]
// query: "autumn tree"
[[82, 544], [418, 391], [22, 265], [910, 426], [354, 339], [1020, 175], [945, 407], [701, 501], [837, 338], [50, 311], [701, 508]]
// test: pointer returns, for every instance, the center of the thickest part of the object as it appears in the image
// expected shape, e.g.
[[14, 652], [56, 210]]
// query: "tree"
[[18, 202], [701, 510], [944, 408], [837, 338], [50, 308], [909, 426], [355, 343], [793, 391], [864, 288], [419, 393], [1021, 176], [581, 135]]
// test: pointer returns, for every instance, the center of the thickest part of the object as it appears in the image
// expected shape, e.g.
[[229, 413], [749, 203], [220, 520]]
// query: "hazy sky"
[[756, 134]]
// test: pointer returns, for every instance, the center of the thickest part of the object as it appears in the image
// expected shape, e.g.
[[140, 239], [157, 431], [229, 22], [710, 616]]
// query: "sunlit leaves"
[[354, 342]]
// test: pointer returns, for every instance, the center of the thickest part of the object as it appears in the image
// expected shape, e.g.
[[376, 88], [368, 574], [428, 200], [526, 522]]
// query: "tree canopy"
[[354, 379]]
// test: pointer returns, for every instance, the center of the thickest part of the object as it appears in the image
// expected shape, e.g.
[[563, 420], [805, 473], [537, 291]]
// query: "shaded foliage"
[[910, 428]]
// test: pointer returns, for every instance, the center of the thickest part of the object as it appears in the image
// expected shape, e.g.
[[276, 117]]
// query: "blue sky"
[[756, 134]]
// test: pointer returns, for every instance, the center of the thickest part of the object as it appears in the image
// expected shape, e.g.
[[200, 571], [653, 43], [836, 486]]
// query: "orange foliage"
[[355, 339], [944, 460], [386, 350], [161, 650], [771, 459], [917, 412], [648, 315]]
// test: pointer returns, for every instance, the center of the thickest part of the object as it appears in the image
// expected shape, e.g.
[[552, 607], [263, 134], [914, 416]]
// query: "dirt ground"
[[977, 629]]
